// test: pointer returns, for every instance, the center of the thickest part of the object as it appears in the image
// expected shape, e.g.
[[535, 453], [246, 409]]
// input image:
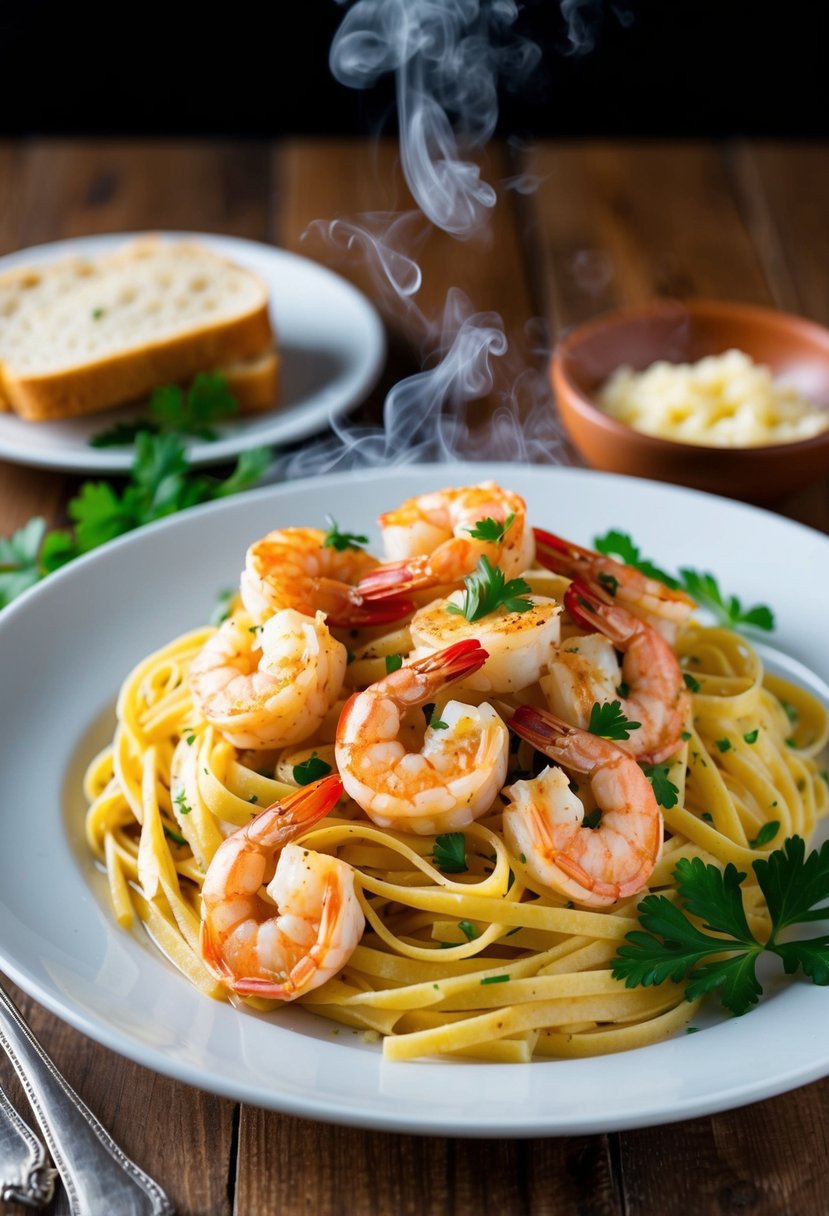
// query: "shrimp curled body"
[[429, 540], [544, 821], [294, 568], [271, 685], [462, 764], [652, 691], [282, 952]]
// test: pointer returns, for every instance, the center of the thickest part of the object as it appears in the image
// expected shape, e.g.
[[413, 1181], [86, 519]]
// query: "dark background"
[[657, 67]]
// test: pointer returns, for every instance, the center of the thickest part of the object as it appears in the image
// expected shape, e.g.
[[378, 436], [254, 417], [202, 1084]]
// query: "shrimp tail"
[[553, 737], [559, 555], [392, 578], [592, 608], [350, 607], [455, 661]]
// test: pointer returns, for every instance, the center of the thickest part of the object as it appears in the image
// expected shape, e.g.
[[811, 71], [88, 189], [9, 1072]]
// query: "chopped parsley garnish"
[[469, 930], [723, 745], [181, 803], [664, 790], [449, 853], [690, 682], [335, 539], [766, 834], [495, 979], [751, 736], [393, 663], [487, 589], [490, 530], [438, 724], [311, 770], [721, 955], [608, 722], [174, 836], [685, 735]]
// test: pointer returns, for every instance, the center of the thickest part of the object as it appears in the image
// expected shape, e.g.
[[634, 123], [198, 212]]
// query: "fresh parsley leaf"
[[704, 588], [469, 930], [490, 530], [393, 663], [160, 484], [751, 736], [172, 409], [438, 723], [722, 954], [766, 834], [664, 790], [608, 722], [449, 853], [690, 681], [487, 589], [311, 770], [620, 545], [19, 560], [723, 745], [335, 539]]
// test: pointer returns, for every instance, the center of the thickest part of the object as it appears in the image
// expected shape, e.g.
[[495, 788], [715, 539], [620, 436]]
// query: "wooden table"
[[609, 224]]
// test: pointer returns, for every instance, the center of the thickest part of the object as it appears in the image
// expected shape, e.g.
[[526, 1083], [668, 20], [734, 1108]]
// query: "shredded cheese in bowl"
[[721, 401]]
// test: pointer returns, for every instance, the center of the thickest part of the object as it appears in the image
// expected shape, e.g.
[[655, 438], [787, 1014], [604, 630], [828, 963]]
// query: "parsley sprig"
[[311, 769], [335, 539], [490, 529], [160, 483], [487, 589], [609, 722], [721, 955], [664, 790], [191, 411], [449, 853], [701, 586]]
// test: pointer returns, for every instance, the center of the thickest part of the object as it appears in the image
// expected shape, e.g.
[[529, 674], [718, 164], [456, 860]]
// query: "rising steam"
[[448, 58]]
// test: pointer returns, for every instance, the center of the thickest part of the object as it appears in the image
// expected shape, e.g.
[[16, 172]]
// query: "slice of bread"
[[82, 335]]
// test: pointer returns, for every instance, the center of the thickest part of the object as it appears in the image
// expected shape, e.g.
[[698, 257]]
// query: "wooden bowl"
[[683, 332]]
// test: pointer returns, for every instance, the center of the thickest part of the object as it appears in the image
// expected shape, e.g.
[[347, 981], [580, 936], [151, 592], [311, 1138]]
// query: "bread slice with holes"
[[81, 335]]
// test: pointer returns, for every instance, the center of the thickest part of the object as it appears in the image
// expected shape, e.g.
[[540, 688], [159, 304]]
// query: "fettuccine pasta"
[[478, 958]]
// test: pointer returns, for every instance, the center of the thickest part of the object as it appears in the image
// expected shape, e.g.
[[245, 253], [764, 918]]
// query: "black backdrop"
[[670, 67]]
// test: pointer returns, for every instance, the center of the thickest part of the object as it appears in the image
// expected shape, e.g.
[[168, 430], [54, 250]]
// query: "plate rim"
[[277, 428], [391, 1118]]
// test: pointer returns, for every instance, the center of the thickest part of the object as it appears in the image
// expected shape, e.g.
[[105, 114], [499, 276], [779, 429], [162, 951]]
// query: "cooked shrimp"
[[461, 766], [519, 644], [663, 607], [544, 821], [293, 568], [650, 687], [268, 685], [429, 539], [281, 951]]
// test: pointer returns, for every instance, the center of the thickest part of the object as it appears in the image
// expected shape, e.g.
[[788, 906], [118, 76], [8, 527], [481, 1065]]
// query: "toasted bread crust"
[[128, 375]]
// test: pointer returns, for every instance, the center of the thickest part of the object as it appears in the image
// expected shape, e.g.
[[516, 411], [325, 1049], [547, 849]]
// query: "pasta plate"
[[331, 344], [67, 644]]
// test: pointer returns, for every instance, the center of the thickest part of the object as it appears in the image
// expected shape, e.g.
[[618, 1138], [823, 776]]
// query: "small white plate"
[[66, 645], [331, 342]]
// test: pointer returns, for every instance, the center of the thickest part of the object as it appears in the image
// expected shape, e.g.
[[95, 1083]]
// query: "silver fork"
[[97, 1175], [25, 1173]]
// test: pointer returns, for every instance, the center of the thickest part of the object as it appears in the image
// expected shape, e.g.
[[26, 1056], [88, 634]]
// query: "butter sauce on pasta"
[[471, 955]]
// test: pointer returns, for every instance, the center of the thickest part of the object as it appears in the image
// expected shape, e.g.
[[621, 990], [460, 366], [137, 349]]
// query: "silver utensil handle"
[[25, 1173], [97, 1174]]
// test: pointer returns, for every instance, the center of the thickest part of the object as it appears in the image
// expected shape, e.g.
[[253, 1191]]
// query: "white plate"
[[67, 644], [330, 338]]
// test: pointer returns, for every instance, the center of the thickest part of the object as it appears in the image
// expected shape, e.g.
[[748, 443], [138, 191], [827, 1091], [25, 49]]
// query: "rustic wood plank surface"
[[609, 224]]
